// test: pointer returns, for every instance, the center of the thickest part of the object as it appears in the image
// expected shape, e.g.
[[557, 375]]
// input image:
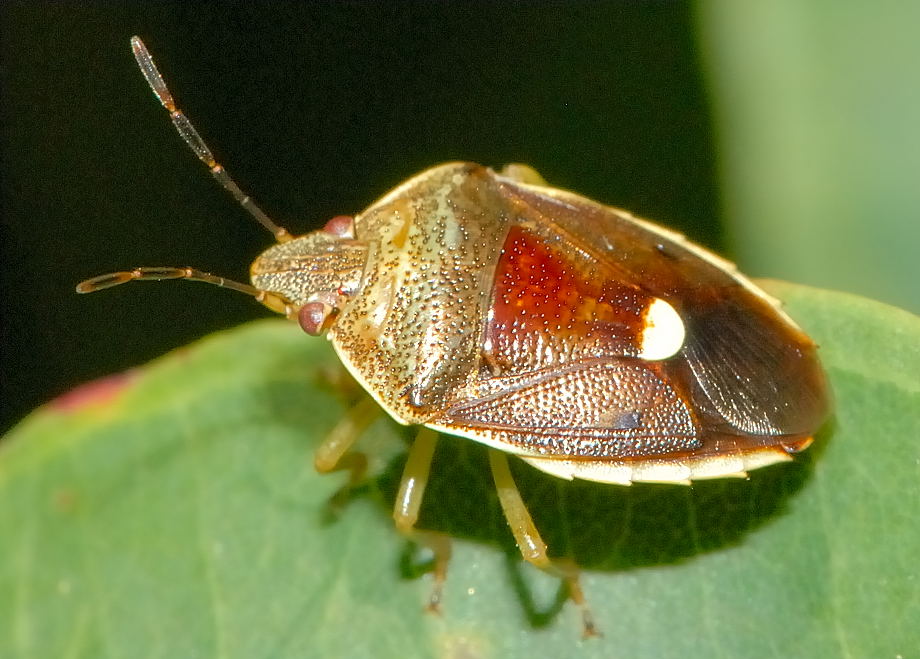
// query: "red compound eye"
[[341, 225], [313, 316]]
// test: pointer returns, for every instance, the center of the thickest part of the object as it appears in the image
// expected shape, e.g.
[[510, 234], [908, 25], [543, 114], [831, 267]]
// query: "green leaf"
[[175, 513], [815, 107]]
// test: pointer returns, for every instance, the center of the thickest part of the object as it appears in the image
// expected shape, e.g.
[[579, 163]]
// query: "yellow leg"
[[523, 173], [333, 454], [528, 539], [409, 501], [414, 480]]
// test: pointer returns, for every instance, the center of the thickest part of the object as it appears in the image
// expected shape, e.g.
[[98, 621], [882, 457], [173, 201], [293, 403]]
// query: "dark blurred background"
[[316, 110]]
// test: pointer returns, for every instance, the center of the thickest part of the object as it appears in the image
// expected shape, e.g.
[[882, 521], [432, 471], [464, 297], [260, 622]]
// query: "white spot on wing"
[[664, 332]]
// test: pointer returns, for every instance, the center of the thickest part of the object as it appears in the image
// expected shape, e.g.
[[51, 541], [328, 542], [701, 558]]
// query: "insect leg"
[[523, 174], [409, 501], [333, 454], [528, 539], [414, 480]]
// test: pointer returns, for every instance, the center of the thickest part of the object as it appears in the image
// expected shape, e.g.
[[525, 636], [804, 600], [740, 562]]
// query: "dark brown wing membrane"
[[762, 377], [744, 365]]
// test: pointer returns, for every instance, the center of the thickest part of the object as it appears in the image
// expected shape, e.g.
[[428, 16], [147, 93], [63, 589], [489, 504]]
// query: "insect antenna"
[[195, 142], [100, 282]]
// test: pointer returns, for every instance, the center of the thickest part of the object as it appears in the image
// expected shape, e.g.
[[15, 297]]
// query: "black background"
[[316, 110]]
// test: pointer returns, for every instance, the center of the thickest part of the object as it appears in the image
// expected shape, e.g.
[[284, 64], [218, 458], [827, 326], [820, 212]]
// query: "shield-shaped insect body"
[[587, 342]]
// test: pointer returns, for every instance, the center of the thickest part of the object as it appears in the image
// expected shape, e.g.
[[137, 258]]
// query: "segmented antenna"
[[271, 300], [194, 141]]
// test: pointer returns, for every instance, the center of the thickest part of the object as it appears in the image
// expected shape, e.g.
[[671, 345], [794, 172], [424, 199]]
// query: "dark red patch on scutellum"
[[543, 289], [94, 393]]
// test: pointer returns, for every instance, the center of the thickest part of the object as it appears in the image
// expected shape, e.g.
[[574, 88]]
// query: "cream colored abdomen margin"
[[660, 469]]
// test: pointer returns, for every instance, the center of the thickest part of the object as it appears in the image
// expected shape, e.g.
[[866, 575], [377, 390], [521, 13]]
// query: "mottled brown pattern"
[[412, 336], [513, 314]]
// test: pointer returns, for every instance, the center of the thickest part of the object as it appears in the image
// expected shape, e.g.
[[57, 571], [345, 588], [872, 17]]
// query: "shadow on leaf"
[[600, 527]]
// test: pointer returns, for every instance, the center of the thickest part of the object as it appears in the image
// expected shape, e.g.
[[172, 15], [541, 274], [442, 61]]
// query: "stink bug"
[[587, 342]]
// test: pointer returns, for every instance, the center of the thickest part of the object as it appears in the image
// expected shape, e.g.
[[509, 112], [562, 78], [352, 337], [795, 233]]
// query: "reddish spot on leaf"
[[65, 501], [96, 392]]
